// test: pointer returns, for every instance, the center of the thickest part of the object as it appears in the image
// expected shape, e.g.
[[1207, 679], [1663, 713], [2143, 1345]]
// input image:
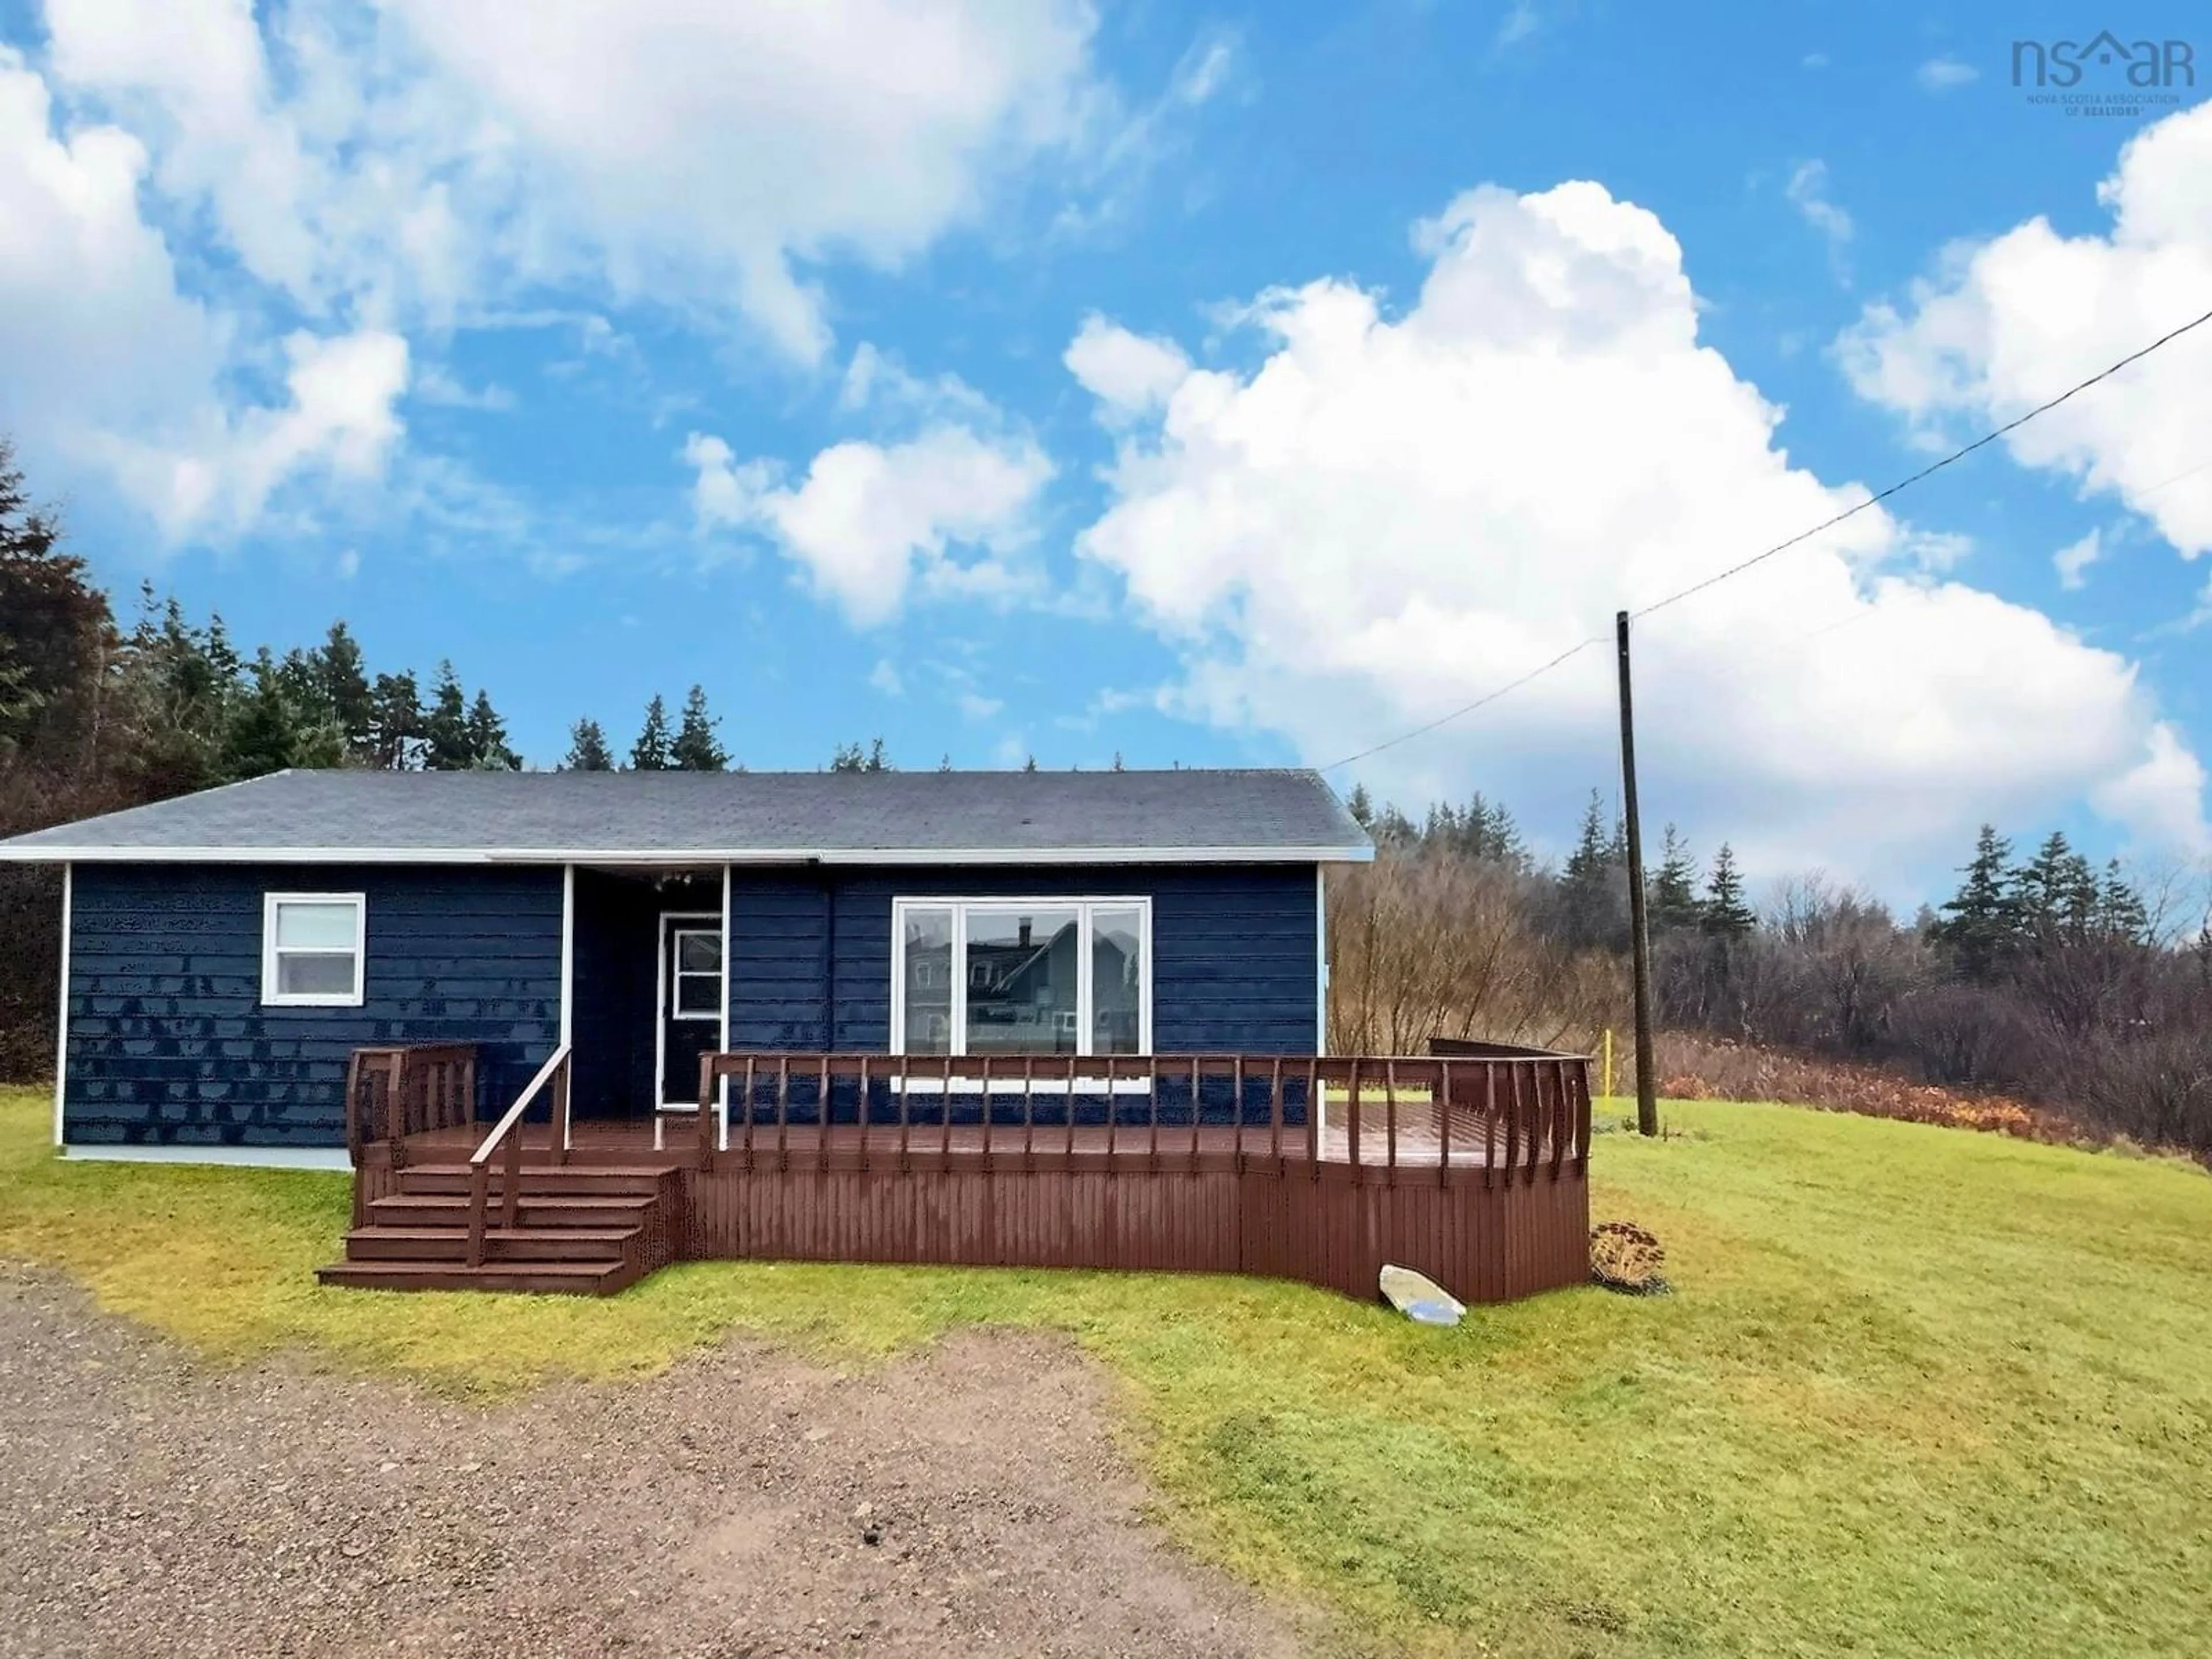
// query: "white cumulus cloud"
[[869, 520], [1394, 514], [112, 367], [185, 185], [2007, 322], [414, 153], [1129, 374], [696, 152]]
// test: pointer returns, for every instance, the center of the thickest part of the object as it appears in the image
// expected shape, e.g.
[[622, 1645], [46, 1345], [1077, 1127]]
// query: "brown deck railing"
[[506, 1137], [1471, 1168], [394, 1092], [1499, 1117]]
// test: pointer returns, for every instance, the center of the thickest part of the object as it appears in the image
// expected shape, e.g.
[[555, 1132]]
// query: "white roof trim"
[[663, 855]]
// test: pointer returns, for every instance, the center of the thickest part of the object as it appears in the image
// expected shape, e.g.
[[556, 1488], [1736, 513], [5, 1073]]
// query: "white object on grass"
[[1419, 1298]]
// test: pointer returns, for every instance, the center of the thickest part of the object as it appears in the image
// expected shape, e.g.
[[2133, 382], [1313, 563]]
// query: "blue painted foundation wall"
[[168, 1043], [1233, 963]]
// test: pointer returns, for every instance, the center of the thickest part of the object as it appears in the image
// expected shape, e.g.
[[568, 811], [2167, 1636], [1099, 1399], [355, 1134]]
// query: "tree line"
[[2042, 976]]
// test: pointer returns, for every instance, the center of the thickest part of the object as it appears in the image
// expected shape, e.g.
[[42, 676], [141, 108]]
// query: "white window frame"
[[664, 998], [1086, 1015], [273, 998], [678, 973]]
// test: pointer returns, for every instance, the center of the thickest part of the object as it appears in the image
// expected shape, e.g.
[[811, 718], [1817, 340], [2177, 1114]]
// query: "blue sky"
[[1207, 386]]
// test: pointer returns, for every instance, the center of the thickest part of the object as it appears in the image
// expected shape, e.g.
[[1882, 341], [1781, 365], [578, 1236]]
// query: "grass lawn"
[[1920, 1391]]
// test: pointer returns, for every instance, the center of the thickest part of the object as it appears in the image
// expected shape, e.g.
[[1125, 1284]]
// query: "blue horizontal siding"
[[168, 1043], [1233, 950], [779, 985]]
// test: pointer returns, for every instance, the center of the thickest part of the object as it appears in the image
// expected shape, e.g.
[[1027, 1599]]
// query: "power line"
[[1467, 708], [1929, 471], [2175, 479], [1867, 608]]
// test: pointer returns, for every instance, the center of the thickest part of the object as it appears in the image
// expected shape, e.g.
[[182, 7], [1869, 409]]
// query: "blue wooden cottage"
[[229, 951], [1042, 1019]]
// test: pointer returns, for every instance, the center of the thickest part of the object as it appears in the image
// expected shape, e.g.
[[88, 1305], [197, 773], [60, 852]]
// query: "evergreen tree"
[[1593, 887], [1361, 805], [342, 673], [1500, 837], [944, 764], [1029, 765], [1673, 886], [695, 749], [1587, 862], [1982, 922], [2057, 891], [1117, 765], [57, 635], [300, 678], [262, 732], [395, 722], [222, 656], [488, 750], [650, 753], [1478, 831], [270, 731], [179, 690], [2119, 912], [447, 744], [1391, 828], [587, 748], [850, 757], [1724, 913]]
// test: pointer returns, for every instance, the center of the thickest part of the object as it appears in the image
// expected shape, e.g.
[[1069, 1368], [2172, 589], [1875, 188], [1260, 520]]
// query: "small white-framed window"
[[697, 993], [313, 950], [1021, 976]]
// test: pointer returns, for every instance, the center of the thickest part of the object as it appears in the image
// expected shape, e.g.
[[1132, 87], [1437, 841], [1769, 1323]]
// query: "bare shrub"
[[1433, 942], [1694, 1067]]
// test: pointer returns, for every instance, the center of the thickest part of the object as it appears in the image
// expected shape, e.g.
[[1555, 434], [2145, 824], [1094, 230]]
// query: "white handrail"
[[508, 1120]]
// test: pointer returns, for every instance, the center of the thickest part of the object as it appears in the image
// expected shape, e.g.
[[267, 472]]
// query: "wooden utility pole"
[[1647, 1085]]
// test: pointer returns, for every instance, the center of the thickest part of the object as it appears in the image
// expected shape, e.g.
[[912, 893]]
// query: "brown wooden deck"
[[1472, 1170]]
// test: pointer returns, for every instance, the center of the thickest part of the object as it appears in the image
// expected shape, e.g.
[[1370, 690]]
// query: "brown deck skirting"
[[1471, 1170]]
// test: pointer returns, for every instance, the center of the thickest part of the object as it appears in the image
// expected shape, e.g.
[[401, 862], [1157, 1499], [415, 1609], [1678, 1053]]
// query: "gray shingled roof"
[[637, 816]]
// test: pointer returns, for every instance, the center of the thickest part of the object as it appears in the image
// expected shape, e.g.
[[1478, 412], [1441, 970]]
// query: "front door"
[[691, 1010]]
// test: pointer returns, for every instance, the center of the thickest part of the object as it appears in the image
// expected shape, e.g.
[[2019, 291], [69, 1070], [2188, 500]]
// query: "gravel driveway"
[[966, 1501]]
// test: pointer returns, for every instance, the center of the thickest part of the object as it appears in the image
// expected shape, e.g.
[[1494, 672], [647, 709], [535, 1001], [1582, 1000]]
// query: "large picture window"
[[311, 946], [1021, 976]]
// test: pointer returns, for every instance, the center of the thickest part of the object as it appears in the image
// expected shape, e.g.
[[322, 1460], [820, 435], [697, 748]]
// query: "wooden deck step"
[[562, 1210], [643, 1180], [434, 1244], [597, 1276]]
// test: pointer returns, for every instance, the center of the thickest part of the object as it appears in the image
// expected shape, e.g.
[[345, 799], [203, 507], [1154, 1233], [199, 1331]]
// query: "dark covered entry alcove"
[[640, 1015]]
